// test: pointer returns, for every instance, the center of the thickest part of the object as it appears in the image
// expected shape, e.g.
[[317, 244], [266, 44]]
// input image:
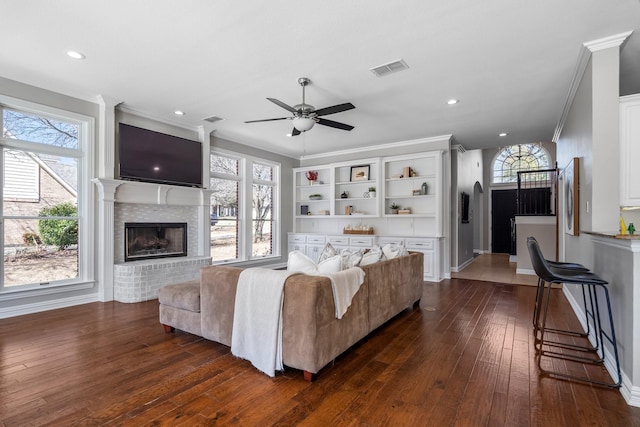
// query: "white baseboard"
[[526, 271], [513, 258], [629, 391], [462, 266], [20, 310]]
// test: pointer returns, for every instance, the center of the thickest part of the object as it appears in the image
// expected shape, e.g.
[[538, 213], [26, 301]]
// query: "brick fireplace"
[[138, 278]]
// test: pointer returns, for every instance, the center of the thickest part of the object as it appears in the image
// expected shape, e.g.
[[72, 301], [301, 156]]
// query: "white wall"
[[469, 171]]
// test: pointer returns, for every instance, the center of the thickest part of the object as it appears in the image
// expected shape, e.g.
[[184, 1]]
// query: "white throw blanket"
[[257, 320], [345, 285]]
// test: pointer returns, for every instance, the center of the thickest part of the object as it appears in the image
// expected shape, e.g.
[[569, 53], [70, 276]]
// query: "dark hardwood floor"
[[465, 357]]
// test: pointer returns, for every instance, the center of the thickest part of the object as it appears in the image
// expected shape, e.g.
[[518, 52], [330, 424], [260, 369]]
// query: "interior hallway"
[[495, 268]]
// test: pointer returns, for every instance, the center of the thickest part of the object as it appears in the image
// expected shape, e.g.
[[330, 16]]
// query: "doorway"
[[503, 214]]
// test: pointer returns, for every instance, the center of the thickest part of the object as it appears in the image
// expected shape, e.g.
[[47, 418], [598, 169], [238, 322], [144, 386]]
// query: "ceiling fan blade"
[[283, 105], [333, 124], [295, 132], [335, 109], [268, 120]]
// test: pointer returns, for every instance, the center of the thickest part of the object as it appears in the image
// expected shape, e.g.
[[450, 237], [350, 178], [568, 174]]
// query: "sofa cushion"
[[185, 296]]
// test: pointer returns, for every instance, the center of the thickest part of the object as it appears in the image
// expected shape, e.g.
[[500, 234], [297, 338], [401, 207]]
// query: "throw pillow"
[[300, 263], [327, 252], [372, 256], [350, 258], [390, 250], [329, 265]]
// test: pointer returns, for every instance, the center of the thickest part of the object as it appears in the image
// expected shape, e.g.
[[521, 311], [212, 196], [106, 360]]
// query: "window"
[[44, 213], [516, 158], [244, 210]]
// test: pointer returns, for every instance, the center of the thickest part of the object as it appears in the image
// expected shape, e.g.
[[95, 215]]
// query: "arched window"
[[516, 158]]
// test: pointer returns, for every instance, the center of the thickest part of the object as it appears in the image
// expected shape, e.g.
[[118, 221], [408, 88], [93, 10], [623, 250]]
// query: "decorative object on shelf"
[[631, 228], [394, 208], [304, 209], [417, 192], [623, 227], [344, 195], [372, 192], [424, 189], [365, 195], [364, 229], [360, 173], [312, 176], [405, 211], [315, 197], [406, 173]]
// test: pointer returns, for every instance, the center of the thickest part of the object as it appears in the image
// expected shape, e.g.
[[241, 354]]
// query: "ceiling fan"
[[305, 115]]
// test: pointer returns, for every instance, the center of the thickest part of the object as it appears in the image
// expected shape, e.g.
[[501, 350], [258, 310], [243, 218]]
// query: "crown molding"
[[126, 109], [391, 145], [607, 42], [581, 66]]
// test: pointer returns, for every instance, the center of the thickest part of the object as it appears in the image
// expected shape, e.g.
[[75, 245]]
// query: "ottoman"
[[180, 307]]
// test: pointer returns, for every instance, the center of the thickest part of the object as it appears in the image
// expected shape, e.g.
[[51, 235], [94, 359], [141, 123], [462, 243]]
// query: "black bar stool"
[[549, 275], [572, 267]]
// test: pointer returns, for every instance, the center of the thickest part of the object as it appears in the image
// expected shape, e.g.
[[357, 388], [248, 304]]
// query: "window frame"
[[542, 150], [84, 192], [245, 201]]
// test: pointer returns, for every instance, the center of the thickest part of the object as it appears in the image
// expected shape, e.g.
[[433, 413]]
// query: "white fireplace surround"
[[130, 201]]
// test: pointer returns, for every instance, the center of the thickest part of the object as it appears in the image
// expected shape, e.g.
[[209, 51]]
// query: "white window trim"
[[85, 192], [245, 214]]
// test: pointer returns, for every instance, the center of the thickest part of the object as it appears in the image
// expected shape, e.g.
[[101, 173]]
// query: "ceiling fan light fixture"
[[303, 124]]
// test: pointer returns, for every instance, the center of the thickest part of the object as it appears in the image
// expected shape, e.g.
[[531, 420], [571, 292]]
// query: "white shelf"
[[312, 186], [413, 178], [368, 181], [410, 196]]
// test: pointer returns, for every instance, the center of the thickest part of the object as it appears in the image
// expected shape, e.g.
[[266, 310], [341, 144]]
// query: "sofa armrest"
[[218, 286]]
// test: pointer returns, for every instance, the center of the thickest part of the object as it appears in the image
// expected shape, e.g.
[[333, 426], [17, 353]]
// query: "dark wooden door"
[[503, 212]]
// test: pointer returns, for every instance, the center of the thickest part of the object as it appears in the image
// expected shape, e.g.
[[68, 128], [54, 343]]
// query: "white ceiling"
[[509, 62]]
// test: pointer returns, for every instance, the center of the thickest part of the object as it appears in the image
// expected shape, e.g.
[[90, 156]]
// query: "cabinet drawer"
[[339, 240], [297, 238], [314, 239], [390, 240], [361, 241], [420, 244]]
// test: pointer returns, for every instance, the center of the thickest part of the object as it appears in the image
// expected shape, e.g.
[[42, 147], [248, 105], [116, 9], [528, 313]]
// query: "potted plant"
[[394, 208], [372, 191]]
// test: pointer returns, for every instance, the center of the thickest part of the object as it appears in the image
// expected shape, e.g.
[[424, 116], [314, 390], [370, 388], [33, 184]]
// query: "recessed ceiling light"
[[452, 101], [502, 134], [75, 55], [179, 113], [289, 134]]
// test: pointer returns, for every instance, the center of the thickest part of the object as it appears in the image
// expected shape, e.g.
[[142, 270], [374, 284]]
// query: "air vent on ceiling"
[[389, 68], [213, 119]]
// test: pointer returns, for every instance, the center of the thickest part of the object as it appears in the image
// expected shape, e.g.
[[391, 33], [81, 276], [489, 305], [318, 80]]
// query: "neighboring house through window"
[[44, 209]]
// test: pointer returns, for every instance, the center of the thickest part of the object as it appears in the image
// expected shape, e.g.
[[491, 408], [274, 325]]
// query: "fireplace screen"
[[145, 240]]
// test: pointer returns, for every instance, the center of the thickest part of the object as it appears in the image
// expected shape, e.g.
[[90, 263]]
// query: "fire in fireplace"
[[145, 240]]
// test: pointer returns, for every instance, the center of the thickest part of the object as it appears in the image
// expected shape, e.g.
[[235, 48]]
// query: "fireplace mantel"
[[121, 191], [112, 192]]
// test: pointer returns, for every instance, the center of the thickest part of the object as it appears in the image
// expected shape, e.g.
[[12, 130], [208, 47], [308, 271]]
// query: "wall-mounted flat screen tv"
[[149, 156]]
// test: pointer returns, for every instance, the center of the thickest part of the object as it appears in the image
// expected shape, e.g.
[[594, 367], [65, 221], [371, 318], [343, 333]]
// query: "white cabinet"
[[427, 245], [312, 245], [629, 150]]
